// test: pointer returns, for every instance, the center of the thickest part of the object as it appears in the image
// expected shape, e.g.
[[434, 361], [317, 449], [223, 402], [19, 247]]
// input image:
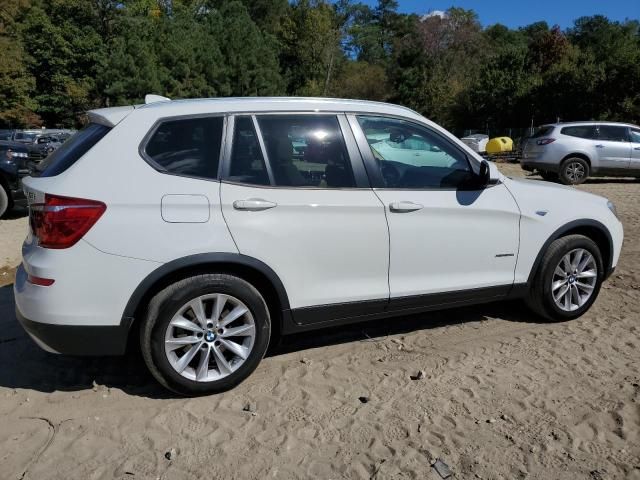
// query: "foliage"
[[62, 57]]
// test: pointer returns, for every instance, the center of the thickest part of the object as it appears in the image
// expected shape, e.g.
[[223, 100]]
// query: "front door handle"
[[600, 146], [636, 148], [253, 204], [404, 207]]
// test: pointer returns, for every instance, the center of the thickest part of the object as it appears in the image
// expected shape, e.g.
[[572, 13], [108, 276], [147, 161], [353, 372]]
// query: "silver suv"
[[574, 151]]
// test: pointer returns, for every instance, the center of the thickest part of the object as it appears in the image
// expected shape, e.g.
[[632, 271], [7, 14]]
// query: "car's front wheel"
[[205, 334], [574, 171], [568, 278]]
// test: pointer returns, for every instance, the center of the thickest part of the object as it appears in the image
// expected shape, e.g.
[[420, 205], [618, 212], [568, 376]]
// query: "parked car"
[[572, 152], [196, 222], [477, 142], [41, 142], [14, 165], [6, 135]]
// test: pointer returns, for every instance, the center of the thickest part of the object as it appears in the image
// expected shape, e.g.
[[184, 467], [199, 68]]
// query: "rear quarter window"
[[188, 146], [580, 131], [72, 150]]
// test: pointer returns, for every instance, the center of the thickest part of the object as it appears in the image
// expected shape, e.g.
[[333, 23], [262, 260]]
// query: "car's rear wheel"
[[4, 201], [568, 278], [205, 334], [574, 171]]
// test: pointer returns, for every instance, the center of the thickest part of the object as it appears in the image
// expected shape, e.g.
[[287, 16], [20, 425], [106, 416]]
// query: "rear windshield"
[[542, 131], [74, 148]]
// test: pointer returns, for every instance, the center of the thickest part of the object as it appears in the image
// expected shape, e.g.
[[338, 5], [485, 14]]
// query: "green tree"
[[16, 83], [64, 52], [311, 46]]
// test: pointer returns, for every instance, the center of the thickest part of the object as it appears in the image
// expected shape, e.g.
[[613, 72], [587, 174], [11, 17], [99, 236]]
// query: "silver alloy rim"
[[575, 171], [210, 337], [574, 280]]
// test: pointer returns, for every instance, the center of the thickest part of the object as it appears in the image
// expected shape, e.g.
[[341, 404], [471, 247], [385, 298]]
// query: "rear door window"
[[74, 148], [247, 162], [306, 151], [188, 146], [613, 133]]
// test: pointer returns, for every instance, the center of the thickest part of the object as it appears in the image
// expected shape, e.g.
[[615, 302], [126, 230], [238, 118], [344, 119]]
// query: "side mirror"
[[484, 175]]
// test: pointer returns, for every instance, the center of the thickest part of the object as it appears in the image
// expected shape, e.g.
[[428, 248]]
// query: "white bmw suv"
[[214, 225]]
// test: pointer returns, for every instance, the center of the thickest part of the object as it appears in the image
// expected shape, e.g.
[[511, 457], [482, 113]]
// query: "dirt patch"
[[7, 275]]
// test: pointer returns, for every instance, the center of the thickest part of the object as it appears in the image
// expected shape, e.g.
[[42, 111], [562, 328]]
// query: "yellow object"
[[499, 144]]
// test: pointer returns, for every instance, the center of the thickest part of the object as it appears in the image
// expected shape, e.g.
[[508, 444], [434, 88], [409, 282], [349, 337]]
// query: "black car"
[[14, 164]]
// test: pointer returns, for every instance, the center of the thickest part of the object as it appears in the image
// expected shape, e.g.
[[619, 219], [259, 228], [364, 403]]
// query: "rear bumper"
[[77, 339], [81, 313]]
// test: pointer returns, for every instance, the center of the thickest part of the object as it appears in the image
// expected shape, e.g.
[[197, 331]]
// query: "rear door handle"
[[600, 146], [253, 204], [404, 207]]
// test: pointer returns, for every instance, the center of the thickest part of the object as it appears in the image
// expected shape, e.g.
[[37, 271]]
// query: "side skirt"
[[321, 316]]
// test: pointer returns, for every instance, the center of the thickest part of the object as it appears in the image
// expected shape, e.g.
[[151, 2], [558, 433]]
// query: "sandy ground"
[[504, 397]]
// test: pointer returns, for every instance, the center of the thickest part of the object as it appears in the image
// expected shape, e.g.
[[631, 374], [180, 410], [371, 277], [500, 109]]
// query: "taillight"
[[60, 222], [43, 282], [545, 141]]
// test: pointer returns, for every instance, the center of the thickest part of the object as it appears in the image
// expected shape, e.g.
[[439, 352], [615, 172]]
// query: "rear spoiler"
[[109, 117]]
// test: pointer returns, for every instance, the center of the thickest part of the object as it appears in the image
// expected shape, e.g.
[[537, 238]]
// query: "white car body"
[[331, 255]]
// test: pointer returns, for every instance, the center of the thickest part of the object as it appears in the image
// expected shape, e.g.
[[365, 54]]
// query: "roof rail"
[[151, 98]]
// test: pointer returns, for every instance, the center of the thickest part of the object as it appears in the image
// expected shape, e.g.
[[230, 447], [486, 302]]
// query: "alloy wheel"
[[210, 337], [574, 280], [574, 171]]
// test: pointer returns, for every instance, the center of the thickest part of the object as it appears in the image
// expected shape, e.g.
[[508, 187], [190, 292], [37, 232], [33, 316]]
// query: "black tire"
[[4, 201], [540, 298], [165, 304], [549, 176], [574, 171]]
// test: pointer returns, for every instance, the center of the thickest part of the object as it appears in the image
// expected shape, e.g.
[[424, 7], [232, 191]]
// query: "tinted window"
[[24, 136], [612, 133], [635, 135], [247, 162], [74, 148], [581, 131], [542, 131], [411, 156], [306, 150], [187, 147]]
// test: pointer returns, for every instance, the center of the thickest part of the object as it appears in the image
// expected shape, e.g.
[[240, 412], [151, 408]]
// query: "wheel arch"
[[581, 155], [592, 229], [254, 271]]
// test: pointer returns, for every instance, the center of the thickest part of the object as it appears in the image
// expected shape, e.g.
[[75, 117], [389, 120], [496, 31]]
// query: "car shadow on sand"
[[15, 213], [26, 366], [591, 180]]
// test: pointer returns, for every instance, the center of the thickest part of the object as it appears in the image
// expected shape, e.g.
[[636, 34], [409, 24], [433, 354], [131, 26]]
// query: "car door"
[[444, 237], [634, 136], [613, 148], [295, 195]]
